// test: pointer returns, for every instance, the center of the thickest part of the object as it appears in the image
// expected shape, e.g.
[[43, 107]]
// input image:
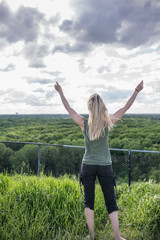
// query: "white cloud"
[[126, 23], [9, 67], [86, 45]]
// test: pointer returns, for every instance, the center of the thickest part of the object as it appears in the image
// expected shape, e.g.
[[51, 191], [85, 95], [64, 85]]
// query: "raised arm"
[[74, 115], [117, 115]]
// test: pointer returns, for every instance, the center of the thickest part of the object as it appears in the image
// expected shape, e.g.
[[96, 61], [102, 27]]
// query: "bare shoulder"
[[118, 114], [82, 123], [79, 119], [114, 118]]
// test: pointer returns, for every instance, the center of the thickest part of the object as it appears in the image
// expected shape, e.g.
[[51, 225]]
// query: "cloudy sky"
[[105, 46]]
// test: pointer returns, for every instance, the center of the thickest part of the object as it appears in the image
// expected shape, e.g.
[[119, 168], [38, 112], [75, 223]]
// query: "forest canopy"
[[140, 132]]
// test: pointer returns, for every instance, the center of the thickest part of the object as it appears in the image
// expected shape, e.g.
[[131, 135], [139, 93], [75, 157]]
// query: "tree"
[[25, 159], [5, 154]]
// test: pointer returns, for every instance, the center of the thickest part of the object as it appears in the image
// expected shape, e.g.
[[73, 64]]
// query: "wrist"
[[60, 91], [136, 90]]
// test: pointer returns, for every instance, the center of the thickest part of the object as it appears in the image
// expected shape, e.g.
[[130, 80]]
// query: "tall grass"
[[47, 208]]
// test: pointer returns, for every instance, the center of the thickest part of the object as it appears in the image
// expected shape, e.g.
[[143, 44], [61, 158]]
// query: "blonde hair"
[[98, 117]]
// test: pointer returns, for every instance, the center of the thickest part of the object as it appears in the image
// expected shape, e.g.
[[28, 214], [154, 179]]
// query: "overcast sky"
[[105, 46]]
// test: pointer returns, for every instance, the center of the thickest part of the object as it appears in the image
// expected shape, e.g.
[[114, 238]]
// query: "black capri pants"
[[106, 179]]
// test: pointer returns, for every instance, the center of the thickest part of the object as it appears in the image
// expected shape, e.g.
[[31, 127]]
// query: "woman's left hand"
[[57, 86]]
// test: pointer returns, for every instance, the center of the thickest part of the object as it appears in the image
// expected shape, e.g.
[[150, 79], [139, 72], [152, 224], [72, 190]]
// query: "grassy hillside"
[[52, 208]]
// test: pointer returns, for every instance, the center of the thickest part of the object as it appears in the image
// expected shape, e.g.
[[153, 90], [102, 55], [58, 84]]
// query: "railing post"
[[39, 159], [129, 167]]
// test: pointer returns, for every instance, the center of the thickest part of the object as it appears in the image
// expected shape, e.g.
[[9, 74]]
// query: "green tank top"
[[96, 151]]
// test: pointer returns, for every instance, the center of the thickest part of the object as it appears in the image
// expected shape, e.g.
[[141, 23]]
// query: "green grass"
[[48, 208]]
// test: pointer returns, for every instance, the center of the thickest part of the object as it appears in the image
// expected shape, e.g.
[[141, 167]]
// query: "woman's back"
[[97, 151]]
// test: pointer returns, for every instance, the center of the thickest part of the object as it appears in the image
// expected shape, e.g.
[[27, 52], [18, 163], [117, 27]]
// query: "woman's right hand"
[[139, 86]]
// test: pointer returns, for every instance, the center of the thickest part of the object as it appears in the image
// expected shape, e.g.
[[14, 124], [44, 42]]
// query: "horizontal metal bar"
[[45, 144], [145, 151], [73, 146], [118, 149], [133, 150]]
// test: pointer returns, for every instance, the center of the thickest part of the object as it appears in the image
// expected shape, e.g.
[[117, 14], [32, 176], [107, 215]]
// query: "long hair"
[[98, 117]]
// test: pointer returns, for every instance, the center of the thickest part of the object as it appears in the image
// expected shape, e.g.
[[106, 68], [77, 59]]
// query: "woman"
[[97, 160]]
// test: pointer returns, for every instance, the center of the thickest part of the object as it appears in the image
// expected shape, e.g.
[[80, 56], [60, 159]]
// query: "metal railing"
[[127, 159], [39, 146]]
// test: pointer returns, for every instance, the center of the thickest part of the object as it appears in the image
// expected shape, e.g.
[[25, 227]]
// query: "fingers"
[[57, 87], [142, 83], [140, 86], [56, 84]]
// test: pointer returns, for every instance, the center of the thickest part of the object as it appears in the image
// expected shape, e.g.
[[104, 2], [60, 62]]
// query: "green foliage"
[[5, 154], [155, 173], [25, 159], [33, 208], [141, 209], [52, 208], [141, 132], [133, 132]]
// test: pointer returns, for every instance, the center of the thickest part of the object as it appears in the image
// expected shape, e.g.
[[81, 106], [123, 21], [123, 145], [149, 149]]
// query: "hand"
[[58, 87], [139, 86]]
